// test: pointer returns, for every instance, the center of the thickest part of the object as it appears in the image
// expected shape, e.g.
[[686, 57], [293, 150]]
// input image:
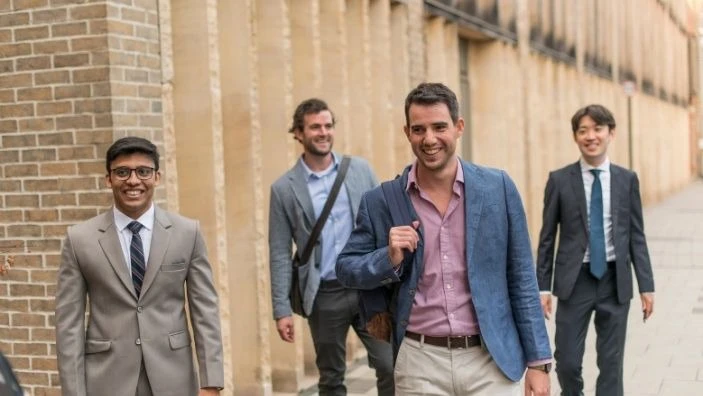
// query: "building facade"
[[215, 83]]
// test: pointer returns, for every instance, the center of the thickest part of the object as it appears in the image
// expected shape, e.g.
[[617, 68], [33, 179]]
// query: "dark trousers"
[[335, 309], [572, 319]]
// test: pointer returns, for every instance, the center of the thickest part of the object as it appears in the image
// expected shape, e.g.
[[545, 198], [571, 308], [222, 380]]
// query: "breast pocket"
[[174, 267]]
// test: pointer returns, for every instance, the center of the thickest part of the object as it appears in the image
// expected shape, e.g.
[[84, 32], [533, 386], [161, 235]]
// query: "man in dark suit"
[[596, 207]]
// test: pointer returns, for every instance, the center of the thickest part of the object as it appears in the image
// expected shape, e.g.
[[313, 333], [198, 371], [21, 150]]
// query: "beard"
[[312, 149]]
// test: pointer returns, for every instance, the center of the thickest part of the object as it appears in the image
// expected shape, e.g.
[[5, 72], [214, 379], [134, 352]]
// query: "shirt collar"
[[412, 176], [586, 167], [310, 173], [122, 220]]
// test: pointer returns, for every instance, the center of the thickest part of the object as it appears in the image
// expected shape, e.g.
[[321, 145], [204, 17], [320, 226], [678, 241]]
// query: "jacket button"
[[403, 322], [411, 292], [139, 309], [139, 341]]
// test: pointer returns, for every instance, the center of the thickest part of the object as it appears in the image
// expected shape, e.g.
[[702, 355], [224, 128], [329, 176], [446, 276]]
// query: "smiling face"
[[433, 135], [317, 136], [132, 196], [593, 140]]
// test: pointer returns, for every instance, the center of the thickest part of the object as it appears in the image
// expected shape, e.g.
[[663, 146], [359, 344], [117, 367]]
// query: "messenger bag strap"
[[320, 223]]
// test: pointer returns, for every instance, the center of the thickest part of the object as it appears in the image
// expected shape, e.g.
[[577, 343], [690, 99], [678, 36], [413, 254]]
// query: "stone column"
[[198, 136], [381, 89], [272, 41]]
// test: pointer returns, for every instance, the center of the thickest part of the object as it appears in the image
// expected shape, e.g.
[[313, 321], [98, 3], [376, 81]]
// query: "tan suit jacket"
[[124, 330]]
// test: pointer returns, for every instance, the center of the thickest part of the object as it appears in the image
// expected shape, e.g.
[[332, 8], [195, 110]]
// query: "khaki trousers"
[[429, 370]]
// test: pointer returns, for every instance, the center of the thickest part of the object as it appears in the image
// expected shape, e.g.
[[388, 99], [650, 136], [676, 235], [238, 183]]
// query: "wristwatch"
[[547, 367]]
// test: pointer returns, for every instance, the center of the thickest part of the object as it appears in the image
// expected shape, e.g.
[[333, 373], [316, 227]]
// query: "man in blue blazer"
[[466, 312]]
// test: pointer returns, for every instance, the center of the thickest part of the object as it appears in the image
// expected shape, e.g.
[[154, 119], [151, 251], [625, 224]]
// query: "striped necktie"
[[136, 254]]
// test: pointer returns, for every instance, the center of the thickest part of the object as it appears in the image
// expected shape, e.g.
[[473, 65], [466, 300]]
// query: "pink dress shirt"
[[442, 304]]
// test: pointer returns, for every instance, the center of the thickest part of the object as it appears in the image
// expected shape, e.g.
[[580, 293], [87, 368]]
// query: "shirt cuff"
[[544, 292], [535, 363]]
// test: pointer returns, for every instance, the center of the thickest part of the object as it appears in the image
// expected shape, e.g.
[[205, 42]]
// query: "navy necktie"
[[136, 254], [596, 238]]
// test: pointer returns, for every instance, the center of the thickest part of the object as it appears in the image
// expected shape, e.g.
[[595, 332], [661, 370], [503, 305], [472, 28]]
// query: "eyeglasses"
[[143, 172]]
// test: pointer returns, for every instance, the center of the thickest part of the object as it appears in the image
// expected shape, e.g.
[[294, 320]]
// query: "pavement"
[[664, 356]]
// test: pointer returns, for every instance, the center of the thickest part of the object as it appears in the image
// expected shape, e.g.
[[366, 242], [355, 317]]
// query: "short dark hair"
[[308, 106], [429, 94], [599, 114], [131, 145]]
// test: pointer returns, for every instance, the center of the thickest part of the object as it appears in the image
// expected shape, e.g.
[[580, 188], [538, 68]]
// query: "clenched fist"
[[400, 238]]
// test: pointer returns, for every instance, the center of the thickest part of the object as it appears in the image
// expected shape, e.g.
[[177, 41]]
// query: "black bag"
[[296, 294], [375, 305]]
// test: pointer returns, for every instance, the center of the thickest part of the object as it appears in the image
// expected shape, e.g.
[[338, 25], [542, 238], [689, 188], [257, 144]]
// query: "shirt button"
[[449, 286], [139, 341], [451, 316], [445, 257]]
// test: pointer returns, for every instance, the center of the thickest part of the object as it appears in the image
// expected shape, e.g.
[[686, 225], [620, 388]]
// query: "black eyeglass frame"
[[136, 170]]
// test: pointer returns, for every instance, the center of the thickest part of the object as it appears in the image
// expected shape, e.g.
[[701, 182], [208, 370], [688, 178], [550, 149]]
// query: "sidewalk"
[[664, 357]]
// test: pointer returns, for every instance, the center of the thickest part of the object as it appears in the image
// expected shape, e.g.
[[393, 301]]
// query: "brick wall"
[[74, 75]]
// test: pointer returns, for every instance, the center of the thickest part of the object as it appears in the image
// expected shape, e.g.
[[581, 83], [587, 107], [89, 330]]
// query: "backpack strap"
[[398, 206]]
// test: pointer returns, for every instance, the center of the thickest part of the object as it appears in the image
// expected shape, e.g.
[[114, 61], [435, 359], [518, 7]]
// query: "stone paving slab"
[[663, 357]]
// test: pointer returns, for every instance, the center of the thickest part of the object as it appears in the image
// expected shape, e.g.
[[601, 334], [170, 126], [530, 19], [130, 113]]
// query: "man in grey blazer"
[[297, 199], [136, 263], [596, 208]]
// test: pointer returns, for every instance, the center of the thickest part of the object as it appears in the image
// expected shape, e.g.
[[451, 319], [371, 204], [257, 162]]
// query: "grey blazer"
[[565, 209], [291, 219], [124, 330]]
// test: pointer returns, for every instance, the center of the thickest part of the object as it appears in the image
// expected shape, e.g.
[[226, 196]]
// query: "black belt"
[[330, 284], [451, 342]]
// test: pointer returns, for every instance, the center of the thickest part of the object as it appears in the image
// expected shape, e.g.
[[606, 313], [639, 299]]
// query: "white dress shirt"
[[122, 221], [604, 177]]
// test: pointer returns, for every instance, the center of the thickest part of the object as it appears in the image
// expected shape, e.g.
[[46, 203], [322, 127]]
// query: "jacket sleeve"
[[522, 284], [280, 253], [639, 254], [70, 322], [205, 315], [547, 237], [364, 264]]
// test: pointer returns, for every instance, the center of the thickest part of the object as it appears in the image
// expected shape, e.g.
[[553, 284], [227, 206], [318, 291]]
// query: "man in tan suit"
[[136, 263]]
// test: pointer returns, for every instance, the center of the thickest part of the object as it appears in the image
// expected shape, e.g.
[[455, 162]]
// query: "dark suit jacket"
[[565, 210]]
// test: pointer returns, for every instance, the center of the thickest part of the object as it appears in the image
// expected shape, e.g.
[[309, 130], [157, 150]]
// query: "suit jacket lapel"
[[579, 193], [617, 183], [473, 206], [418, 263], [352, 184], [160, 238], [299, 184], [110, 244]]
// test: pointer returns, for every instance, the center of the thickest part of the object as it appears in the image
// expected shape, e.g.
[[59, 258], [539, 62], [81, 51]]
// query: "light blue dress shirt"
[[339, 223]]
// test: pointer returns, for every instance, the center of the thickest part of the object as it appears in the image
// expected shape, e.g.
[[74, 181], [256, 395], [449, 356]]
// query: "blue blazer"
[[499, 262]]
